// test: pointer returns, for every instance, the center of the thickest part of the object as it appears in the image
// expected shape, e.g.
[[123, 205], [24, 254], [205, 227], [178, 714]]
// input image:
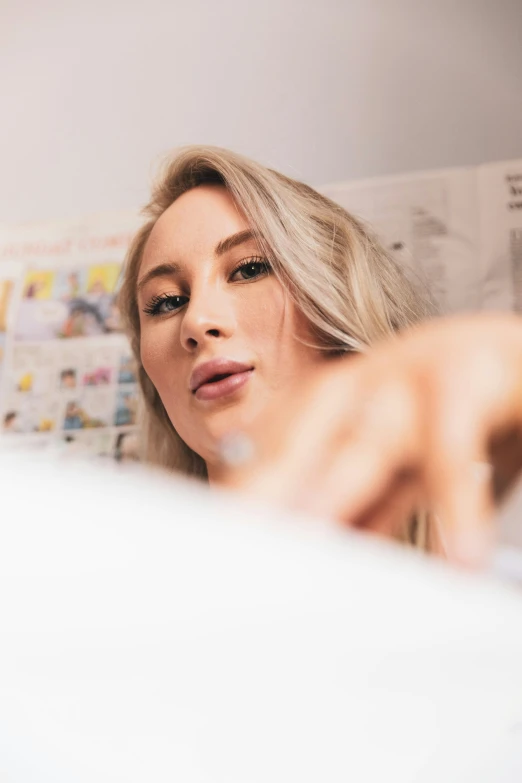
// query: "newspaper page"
[[500, 200], [67, 379], [429, 222]]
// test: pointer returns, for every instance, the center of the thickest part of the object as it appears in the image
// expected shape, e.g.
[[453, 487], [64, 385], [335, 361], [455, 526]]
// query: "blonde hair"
[[340, 277]]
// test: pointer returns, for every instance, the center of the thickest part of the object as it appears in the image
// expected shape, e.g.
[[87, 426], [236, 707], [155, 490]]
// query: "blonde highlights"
[[339, 276]]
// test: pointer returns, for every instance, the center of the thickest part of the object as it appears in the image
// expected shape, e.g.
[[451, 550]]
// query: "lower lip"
[[229, 385]]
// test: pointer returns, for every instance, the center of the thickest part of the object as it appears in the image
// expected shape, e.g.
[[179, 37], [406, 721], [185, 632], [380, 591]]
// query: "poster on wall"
[[67, 378], [459, 231], [429, 223], [500, 189]]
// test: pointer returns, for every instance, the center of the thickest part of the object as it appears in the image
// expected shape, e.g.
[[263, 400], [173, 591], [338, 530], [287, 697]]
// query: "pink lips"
[[219, 378]]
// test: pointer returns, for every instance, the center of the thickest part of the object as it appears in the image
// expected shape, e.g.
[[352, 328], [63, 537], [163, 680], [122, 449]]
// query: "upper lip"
[[222, 366]]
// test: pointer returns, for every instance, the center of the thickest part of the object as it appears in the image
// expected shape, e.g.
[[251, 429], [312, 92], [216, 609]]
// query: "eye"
[[250, 269], [162, 305]]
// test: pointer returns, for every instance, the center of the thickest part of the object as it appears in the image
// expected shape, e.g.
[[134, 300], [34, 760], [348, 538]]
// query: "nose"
[[209, 316]]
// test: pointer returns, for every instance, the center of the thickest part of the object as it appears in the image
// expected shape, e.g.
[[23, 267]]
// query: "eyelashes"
[[249, 270], [252, 268], [166, 303]]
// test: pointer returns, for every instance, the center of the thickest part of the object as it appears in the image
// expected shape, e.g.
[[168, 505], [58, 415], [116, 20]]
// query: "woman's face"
[[220, 337]]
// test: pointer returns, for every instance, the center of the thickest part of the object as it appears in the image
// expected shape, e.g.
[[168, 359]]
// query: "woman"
[[248, 296]]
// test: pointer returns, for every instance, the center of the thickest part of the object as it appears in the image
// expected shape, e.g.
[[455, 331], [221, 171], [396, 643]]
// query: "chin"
[[221, 422], [225, 421], [214, 420]]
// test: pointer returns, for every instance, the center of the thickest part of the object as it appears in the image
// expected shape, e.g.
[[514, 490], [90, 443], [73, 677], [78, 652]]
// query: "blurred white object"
[[150, 631], [507, 563]]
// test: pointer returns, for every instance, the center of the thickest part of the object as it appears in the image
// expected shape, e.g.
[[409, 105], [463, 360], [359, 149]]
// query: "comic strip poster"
[[67, 377]]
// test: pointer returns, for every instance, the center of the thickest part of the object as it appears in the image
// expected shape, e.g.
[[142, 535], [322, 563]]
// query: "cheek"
[[164, 364], [265, 314], [156, 349], [277, 328]]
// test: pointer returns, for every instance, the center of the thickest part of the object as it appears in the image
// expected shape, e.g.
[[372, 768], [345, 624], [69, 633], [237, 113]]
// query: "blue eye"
[[162, 305], [250, 269]]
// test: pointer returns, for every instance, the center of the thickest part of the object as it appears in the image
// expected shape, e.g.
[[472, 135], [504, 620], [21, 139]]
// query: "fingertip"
[[471, 547]]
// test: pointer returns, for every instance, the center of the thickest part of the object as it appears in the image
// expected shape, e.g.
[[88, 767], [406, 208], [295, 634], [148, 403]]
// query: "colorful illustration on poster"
[[69, 303], [6, 289], [77, 417], [39, 285], [126, 404], [68, 378], [127, 372], [101, 376], [30, 416]]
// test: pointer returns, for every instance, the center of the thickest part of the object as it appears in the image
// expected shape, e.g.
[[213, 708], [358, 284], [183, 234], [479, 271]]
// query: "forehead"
[[193, 224]]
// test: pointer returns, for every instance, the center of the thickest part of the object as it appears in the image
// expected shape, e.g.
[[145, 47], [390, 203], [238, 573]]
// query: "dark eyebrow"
[[233, 241], [162, 270]]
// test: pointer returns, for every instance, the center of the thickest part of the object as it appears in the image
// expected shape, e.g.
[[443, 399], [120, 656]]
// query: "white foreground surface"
[[152, 633]]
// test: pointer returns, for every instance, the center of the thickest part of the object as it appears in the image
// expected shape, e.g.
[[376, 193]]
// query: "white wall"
[[94, 91]]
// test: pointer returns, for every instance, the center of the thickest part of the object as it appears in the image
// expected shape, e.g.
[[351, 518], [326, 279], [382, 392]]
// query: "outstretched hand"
[[431, 418]]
